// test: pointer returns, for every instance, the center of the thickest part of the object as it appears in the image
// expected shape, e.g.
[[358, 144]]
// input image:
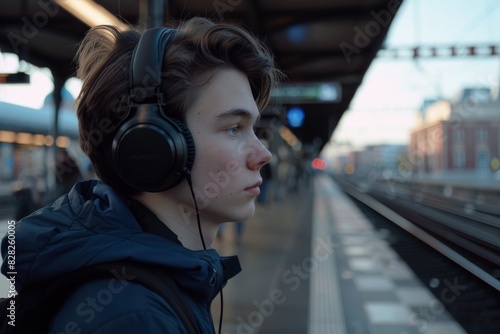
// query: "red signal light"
[[319, 164]]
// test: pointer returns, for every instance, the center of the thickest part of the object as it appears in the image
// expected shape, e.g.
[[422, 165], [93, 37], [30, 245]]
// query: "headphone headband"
[[146, 65]]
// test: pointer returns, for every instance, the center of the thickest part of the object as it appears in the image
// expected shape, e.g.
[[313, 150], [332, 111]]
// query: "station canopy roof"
[[315, 42]]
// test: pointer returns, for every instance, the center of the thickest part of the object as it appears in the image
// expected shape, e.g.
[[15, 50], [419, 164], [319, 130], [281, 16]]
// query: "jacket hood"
[[92, 224]]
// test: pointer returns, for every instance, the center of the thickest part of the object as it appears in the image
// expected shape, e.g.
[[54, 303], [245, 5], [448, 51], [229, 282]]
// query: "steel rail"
[[420, 234]]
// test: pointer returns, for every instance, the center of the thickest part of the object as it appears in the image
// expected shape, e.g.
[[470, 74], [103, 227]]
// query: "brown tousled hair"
[[199, 47]]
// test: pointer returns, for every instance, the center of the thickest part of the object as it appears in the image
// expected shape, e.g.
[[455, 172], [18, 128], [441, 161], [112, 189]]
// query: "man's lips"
[[255, 185], [254, 188]]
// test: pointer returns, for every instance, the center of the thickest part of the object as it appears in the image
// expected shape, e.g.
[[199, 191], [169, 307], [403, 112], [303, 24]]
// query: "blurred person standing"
[[27, 190], [267, 174], [67, 173]]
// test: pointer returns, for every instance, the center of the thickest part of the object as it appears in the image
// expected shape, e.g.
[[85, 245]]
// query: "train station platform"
[[313, 264]]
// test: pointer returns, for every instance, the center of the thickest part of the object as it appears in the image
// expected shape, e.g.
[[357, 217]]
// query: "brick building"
[[460, 136]]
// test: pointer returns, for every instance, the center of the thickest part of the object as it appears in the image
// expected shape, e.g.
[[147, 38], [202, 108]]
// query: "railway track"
[[454, 251]]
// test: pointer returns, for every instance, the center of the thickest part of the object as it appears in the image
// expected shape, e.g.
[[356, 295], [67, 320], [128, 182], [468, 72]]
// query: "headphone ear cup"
[[189, 141], [150, 152]]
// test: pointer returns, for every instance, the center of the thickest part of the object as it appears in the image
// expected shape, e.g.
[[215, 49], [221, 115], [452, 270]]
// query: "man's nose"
[[261, 155]]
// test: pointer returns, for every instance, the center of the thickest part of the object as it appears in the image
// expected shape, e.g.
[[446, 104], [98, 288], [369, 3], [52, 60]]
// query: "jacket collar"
[[150, 223]]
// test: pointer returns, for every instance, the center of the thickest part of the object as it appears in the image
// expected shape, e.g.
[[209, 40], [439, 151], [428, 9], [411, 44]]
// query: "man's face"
[[228, 156]]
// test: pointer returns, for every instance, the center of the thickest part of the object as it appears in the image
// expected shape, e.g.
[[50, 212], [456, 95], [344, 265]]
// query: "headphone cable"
[[221, 311], [190, 183]]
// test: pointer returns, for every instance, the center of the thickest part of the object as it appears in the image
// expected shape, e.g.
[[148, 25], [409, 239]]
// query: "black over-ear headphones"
[[151, 151]]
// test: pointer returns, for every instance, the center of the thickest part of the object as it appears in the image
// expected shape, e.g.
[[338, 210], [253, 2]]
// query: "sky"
[[384, 108]]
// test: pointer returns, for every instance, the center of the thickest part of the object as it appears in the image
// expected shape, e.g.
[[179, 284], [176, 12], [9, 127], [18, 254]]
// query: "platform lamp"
[[91, 13]]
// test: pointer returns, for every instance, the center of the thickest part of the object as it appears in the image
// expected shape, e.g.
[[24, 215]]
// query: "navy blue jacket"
[[92, 224]]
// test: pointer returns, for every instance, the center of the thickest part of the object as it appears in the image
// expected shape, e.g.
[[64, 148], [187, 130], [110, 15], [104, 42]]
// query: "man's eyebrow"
[[236, 112]]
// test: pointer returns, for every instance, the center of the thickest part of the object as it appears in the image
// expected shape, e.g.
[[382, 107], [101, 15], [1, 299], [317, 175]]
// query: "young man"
[[196, 107]]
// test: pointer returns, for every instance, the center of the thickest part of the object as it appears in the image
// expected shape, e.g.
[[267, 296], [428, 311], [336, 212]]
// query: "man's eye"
[[233, 131]]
